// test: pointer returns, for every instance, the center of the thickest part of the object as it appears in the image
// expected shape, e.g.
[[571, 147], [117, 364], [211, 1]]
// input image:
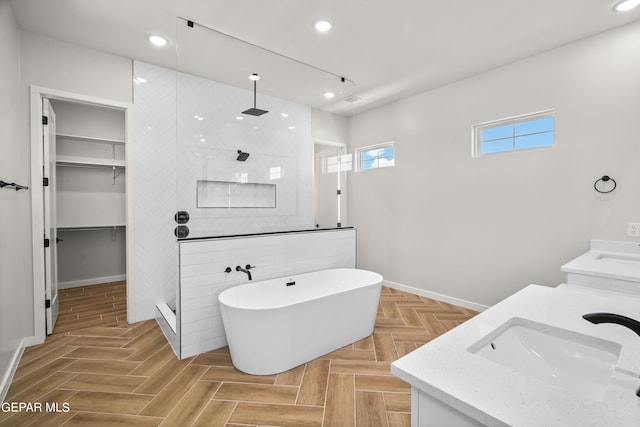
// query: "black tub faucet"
[[245, 270], [618, 319]]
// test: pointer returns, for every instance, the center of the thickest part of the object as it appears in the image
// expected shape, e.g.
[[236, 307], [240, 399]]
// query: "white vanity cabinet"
[[90, 193], [427, 411], [608, 265]]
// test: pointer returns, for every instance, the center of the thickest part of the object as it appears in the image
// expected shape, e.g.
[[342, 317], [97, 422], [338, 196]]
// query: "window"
[[534, 130], [275, 172], [342, 163], [376, 156]]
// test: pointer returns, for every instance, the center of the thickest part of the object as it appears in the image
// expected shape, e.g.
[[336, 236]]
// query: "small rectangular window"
[[524, 132], [334, 164], [376, 156], [275, 172]]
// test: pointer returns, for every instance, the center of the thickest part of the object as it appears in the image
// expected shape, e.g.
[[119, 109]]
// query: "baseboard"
[[34, 340], [92, 281], [8, 375], [436, 296]]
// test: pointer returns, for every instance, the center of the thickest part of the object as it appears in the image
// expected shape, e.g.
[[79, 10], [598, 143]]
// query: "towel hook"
[[605, 178]]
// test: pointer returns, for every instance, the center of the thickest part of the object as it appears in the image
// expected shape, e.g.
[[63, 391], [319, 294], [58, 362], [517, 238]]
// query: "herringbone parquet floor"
[[101, 371]]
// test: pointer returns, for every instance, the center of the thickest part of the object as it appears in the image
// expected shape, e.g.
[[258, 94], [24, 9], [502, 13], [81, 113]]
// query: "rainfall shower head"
[[254, 111], [242, 156]]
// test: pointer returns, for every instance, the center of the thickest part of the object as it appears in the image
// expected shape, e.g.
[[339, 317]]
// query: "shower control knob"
[[181, 231], [182, 217], [249, 266], [228, 270]]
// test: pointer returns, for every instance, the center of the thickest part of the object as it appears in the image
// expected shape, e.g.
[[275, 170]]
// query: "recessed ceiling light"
[[239, 118], [292, 127], [158, 41], [254, 77], [322, 25], [626, 5], [329, 95]]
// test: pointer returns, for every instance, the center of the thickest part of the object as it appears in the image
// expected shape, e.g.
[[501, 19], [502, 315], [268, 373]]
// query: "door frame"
[[36, 94]]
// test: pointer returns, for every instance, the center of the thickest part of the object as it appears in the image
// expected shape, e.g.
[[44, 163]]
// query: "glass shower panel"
[[331, 166], [247, 145]]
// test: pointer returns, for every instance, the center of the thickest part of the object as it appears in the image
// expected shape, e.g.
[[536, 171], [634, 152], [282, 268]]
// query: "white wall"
[[91, 257], [328, 126], [481, 229], [154, 159], [15, 241], [64, 66]]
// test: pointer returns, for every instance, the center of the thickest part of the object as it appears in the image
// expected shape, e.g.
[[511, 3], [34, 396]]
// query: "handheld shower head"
[[242, 156]]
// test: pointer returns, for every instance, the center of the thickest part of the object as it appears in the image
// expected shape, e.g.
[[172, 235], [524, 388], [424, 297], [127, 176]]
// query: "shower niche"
[[228, 194]]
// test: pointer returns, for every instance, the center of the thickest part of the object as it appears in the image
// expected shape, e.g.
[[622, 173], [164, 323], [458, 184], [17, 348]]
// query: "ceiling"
[[385, 50]]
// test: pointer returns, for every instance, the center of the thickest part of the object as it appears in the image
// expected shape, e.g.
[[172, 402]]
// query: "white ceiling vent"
[[352, 98]]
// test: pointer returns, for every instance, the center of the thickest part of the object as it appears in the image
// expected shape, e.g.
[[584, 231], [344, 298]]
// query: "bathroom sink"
[[579, 363], [618, 257]]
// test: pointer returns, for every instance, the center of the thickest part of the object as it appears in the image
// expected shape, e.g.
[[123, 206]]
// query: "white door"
[[50, 233]]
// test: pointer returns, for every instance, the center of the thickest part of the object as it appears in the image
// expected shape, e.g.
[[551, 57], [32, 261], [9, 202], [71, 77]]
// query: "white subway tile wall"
[[203, 277], [208, 138], [186, 130], [154, 167]]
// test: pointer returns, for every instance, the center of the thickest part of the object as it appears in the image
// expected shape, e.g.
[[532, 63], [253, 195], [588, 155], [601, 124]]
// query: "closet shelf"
[[89, 139], [88, 162], [89, 227]]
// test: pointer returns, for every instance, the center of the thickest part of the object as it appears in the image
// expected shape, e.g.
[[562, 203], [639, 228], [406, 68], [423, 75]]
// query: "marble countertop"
[[615, 260], [496, 395]]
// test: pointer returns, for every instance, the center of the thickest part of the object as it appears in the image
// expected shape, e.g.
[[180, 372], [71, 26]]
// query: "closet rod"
[[13, 185]]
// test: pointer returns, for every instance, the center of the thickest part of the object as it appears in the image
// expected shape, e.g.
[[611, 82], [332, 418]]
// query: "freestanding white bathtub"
[[275, 325]]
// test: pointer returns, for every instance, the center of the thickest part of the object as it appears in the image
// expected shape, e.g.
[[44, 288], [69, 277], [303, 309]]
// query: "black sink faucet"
[[618, 319]]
